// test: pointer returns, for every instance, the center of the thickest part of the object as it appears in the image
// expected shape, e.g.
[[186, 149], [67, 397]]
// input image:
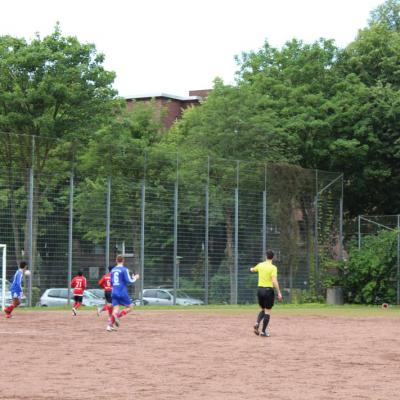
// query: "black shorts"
[[78, 299], [107, 296], [266, 297]]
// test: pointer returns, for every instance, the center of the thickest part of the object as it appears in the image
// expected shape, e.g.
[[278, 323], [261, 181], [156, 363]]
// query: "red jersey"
[[79, 285], [105, 282]]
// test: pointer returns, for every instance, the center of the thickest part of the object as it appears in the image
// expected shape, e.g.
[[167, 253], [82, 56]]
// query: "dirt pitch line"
[[198, 355]]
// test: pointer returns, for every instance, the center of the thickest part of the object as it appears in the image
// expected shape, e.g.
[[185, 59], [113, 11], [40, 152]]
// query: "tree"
[[54, 92], [232, 125], [338, 107], [117, 150], [387, 13]]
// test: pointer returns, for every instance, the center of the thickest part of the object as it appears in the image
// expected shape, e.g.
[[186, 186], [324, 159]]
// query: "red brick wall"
[[172, 108], [201, 93]]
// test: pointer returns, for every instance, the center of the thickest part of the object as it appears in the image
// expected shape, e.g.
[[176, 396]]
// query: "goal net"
[[3, 269]]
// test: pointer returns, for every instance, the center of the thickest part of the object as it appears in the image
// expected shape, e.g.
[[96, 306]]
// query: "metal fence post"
[[108, 222], [341, 224], [30, 233], [142, 233], [175, 255], [70, 231], [236, 254], [264, 216], [316, 272], [359, 232], [206, 234], [398, 259], [3, 276]]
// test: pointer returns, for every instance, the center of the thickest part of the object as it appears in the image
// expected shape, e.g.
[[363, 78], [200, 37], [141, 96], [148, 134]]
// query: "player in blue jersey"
[[16, 288], [120, 280]]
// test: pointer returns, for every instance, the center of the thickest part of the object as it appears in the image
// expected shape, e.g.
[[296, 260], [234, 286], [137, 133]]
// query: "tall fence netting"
[[195, 225]]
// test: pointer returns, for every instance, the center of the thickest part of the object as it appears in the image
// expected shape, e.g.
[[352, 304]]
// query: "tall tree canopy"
[[54, 93], [317, 105], [54, 88]]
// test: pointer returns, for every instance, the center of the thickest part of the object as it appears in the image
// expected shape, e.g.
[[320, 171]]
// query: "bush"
[[220, 289], [35, 295], [370, 274], [192, 288]]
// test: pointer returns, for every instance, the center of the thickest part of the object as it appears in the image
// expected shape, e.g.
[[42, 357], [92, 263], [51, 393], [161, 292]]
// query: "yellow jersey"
[[266, 271]]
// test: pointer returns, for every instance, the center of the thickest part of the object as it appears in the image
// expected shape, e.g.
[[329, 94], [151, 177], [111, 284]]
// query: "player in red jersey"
[[78, 283], [105, 283]]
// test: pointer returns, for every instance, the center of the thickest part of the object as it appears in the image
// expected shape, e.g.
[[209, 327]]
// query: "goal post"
[[3, 249]]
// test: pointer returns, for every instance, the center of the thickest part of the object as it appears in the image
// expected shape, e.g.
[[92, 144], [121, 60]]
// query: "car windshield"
[[96, 292], [89, 294], [182, 294]]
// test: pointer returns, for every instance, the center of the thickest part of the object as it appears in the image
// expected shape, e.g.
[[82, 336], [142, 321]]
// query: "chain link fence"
[[195, 224]]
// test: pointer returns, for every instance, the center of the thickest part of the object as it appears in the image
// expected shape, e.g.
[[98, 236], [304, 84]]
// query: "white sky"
[[172, 46]]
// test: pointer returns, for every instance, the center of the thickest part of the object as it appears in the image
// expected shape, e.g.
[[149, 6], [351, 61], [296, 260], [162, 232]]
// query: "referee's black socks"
[[265, 322], [260, 316]]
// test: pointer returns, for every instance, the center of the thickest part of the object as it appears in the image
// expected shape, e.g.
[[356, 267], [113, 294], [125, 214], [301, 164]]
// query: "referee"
[[267, 280]]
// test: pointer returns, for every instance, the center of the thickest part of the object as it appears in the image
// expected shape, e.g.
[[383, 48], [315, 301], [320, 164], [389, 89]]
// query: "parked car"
[[165, 297], [96, 292], [100, 294], [59, 297]]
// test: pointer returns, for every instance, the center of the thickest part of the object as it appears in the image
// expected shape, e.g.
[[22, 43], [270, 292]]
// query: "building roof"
[[163, 95]]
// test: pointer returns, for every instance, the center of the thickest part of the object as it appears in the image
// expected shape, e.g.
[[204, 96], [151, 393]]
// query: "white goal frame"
[[3, 248]]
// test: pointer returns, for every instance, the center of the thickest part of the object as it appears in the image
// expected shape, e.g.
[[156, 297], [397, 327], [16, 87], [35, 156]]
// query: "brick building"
[[173, 105]]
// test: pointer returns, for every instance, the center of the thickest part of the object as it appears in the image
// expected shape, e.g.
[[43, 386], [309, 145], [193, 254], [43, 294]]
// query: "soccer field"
[[314, 352]]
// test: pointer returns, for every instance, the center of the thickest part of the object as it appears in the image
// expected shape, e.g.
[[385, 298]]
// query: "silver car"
[[165, 297], [59, 297], [100, 294]]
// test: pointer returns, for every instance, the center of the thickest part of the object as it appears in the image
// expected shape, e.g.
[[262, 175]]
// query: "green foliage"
[[220, 289], [55, 88], [191, 287], [370, 274], [331, 272], [36, 293], [54, 92], [302, 296]]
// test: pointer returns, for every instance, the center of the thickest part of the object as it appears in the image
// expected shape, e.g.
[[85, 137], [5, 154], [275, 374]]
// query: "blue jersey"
[[16, 286], [120, 279]]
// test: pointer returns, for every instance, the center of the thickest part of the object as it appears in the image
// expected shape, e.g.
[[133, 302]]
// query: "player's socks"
[[265, 322], [122, 313], [78, 305], [260, 316], [9, 309]]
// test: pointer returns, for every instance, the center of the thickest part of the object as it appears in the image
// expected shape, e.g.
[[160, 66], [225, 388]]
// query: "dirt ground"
[[198, 355]]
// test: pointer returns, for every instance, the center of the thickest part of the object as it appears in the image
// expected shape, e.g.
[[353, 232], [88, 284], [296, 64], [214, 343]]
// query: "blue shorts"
[[16, 295], [123, 300]]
